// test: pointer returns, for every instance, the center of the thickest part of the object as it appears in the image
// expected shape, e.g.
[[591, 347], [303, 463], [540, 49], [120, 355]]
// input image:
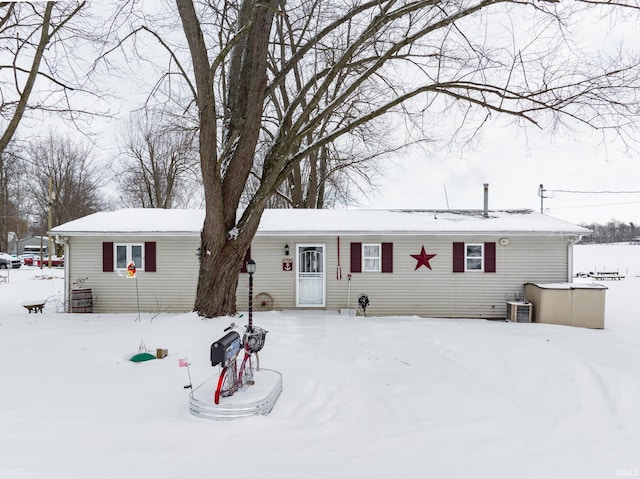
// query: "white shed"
[[569, 304]]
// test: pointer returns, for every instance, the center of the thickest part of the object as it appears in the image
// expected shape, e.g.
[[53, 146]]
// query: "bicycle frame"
[[231, 378]]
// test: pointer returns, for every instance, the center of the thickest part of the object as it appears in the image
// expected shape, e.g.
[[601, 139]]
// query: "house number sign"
[[287, 264]]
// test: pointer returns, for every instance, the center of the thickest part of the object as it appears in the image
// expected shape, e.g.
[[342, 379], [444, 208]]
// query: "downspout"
[[339, 271], [571, 241], [67, 279]]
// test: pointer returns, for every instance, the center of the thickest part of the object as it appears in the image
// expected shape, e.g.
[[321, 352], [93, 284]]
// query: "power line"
[[608, 192], [549, 193]]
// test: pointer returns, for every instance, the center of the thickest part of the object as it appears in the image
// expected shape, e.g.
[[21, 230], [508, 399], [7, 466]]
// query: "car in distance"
[[9, 262], [28, 258], [56, 262]]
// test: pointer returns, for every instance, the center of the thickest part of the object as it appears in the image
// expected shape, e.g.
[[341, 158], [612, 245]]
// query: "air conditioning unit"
[[519, 312]]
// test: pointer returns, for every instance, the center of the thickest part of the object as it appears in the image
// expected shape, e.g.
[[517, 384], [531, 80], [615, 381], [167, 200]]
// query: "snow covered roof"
[[413, 221], [569, 285], [326, 222], [135, 220]]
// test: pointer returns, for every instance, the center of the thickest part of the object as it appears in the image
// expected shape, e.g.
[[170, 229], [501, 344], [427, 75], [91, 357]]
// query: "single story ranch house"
[[451, 263]]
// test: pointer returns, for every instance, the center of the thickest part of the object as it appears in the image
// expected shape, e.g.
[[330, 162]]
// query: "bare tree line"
[[158, 166], [48, 53], [613, 231], [154, 169], [51, 175]]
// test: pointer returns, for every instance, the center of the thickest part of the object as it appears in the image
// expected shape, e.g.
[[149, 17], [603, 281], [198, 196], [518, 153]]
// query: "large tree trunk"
[[222, 255], [219, 271], [224, 240]]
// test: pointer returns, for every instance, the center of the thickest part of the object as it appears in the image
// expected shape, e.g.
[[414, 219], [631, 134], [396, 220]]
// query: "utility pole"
[[541, 195], [50, 198], [541, 192]]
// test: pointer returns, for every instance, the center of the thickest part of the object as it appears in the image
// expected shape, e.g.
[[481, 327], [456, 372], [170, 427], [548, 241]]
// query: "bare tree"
[[67, 170], [333, 173], [35, 40], [327, 178], [451, 65], [10, 218], [159, 164]]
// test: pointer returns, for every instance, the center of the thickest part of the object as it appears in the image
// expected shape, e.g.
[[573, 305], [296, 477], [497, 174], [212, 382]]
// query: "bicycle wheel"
[[245, 375], [226, 383]]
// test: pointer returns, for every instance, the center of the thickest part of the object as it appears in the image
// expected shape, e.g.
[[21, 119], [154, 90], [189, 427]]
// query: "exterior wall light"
[[251, 267]]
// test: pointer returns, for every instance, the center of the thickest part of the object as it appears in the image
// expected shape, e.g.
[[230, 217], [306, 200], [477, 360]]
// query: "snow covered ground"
[[363, 397]]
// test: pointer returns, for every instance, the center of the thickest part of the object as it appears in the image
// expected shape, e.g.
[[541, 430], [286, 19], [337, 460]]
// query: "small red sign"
[[131, 270]]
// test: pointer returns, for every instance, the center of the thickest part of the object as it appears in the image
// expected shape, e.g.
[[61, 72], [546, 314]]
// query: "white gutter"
[[127, 233], [570, 242], [342, 232]]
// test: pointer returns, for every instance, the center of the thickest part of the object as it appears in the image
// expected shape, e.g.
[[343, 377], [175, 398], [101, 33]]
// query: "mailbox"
[[225, 349]]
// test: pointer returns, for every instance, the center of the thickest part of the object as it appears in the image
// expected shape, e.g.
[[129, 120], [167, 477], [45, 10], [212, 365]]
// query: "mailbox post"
[[251, 268]]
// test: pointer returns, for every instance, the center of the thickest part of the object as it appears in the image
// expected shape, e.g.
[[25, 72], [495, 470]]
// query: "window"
[[117, 256], [247, 257], [473, 257], [371, 257], [128, 253]]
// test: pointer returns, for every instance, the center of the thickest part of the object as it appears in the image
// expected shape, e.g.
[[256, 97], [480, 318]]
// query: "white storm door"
[[310, 268]]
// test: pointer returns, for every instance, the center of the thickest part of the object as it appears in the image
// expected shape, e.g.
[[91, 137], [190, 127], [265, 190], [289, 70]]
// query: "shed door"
[[310, 271]]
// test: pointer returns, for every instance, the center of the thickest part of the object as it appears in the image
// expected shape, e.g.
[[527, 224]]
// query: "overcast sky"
[[514, 163]]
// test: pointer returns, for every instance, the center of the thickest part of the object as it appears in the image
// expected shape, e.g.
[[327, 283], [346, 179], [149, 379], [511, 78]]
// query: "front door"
[[310, 269]]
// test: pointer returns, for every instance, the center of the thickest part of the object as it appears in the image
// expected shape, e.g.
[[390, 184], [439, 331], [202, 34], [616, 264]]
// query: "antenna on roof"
[[445, 196]]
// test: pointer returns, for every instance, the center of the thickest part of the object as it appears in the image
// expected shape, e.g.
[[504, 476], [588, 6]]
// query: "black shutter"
[[107, 257], [458, 257], [489, 257], [356, 257], [387, 257], [150, 256], [247, 257]]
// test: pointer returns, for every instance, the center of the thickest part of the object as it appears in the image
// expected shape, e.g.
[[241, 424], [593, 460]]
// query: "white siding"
[[268, 253], [172, 288], [437, 292]]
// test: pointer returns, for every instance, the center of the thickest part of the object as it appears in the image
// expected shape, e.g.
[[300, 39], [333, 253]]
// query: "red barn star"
[[423, 258]]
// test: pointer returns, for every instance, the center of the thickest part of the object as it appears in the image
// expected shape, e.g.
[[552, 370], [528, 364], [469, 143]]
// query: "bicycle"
[[225, 352]]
